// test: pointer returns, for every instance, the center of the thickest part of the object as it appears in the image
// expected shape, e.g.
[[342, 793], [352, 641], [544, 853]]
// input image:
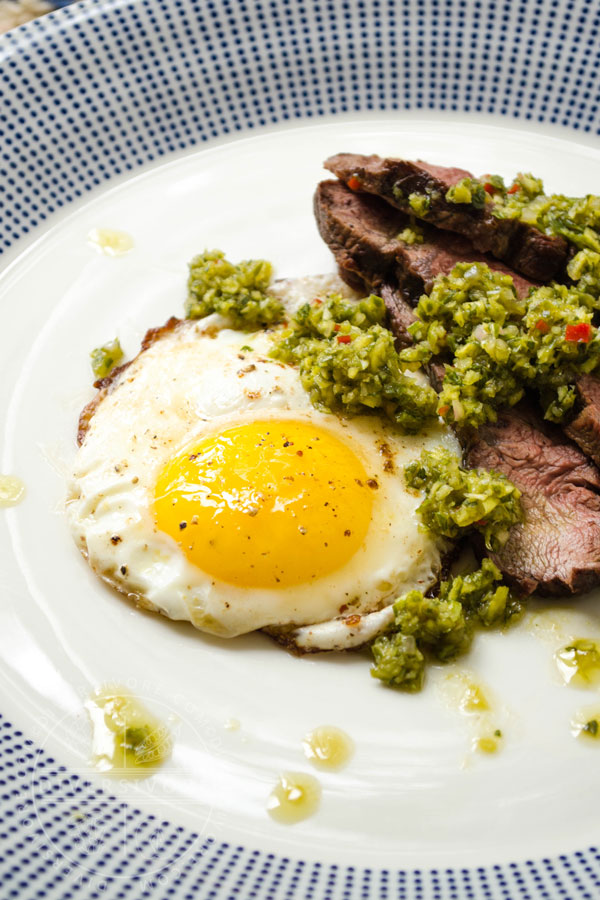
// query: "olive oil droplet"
[[126, 738], [469, 697], [295, 797], [586, 725], [328, 747], [110, 241], [579, 663], [12, 490]]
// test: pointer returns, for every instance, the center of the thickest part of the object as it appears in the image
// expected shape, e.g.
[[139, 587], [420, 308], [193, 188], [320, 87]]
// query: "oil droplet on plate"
[[127, 740], [328, 747], [295, 797], [586, 725], [463, 693], [579, 663], [12, 490], [488, 741], [110, 241]]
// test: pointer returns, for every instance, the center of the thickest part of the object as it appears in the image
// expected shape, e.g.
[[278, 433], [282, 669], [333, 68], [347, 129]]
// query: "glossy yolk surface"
[[266, 504]]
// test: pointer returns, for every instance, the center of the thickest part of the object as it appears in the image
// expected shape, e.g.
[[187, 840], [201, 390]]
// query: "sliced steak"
[[584, 428], [400, 312], [538, 256], [362, 233], [556, 549]]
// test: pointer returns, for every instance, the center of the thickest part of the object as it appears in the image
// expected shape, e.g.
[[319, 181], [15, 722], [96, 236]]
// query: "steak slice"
[[584, 428], [536, 255], [362, 232], [556, 549]]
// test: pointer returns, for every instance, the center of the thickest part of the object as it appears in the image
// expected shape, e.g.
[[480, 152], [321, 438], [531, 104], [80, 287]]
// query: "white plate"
[[414, 794]]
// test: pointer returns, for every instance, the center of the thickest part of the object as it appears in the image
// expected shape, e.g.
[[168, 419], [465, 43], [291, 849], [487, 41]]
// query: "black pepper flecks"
[[115, 539], [182, 525]]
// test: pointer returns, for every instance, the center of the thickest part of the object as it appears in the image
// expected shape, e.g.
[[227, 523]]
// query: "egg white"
[[197, 378]]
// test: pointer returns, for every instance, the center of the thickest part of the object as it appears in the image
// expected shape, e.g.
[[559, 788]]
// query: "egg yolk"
[[266, 504]]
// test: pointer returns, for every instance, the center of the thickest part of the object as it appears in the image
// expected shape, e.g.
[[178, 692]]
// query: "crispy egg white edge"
[[334, 632]]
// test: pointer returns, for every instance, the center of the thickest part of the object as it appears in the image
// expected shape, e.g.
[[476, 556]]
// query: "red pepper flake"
[[489, 187], [337, 327], [317, 302], [542, 326], [353, 183], [580, 333], [514, 188], [443, 410], [344, 338], [482, 522]]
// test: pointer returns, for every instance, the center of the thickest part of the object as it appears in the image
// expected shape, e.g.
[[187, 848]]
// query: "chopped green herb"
[[458, 500], [238, 292], [441, 627], [577, 219], [398, 661], [411, 235], [348, 362], [105, 358], [420, 204], [467, 190], [497, 345], [591, 727]]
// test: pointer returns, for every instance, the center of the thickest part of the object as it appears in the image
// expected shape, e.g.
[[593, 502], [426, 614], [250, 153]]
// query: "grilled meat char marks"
[[556, 550], [536, 255]]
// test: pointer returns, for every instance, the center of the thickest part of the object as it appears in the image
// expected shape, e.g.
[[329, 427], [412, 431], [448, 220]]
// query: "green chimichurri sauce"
[[496, 345], [105, 358], [237, 291], [458, 499], [348, 362], [441, 627]]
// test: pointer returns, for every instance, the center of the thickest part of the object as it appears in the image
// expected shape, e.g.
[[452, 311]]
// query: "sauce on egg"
[[126, 738], [328, 747], [110, 241], [12, 490], [267, 504], [295, 797]]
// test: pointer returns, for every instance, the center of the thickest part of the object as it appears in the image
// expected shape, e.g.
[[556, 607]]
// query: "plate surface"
[[413, 799]]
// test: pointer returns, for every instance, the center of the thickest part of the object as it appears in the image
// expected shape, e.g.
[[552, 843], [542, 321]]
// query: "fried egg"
[[208, 488]]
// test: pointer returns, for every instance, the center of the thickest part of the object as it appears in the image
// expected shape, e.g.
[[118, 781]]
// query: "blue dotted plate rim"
[[28, 196]]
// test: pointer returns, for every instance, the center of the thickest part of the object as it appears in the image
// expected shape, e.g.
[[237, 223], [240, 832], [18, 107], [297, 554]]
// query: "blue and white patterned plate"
[[192, 122]]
